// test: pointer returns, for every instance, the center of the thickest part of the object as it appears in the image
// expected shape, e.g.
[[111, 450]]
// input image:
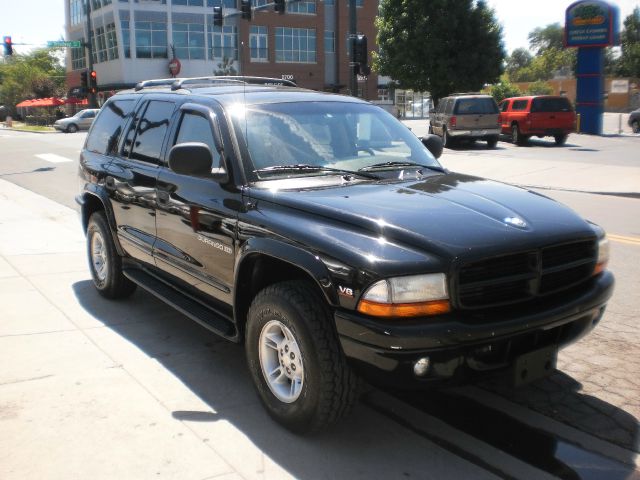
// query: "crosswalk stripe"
[[53, 158]]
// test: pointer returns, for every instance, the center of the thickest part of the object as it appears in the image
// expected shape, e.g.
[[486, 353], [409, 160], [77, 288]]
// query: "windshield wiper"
[[384, 165], [303, 167]]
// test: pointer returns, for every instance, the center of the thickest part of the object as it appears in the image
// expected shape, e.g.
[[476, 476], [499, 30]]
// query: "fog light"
[[421, 367]]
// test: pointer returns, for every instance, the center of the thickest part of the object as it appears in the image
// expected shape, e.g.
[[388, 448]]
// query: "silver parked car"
[[80, 121]]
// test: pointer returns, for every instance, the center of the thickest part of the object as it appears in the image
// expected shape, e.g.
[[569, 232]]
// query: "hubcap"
[[99, 256], [281, 361]]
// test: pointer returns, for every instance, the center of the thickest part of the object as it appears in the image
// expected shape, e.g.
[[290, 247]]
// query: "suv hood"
[[450, 214]]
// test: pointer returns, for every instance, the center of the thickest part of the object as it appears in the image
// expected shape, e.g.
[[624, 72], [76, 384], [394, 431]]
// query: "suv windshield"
[[477, 106], [552, 104], [337, 135]]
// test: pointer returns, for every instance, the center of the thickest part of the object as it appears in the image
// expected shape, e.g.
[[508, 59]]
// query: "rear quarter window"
[[554, 104], [108, 127], [519, 105]]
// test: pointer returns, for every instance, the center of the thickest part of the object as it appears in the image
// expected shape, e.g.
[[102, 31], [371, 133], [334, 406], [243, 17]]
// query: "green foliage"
[[539, 88], [629, 61], [520, 58], [440, 46], [544, 38], [225, 67], [503, 90], [37, 74]]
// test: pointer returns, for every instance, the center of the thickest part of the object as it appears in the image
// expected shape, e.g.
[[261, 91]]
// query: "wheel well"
[[91, 205], [256, 273]]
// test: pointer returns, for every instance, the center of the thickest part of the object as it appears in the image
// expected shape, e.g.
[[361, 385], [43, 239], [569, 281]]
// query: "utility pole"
[[353, 27], [89, 47]]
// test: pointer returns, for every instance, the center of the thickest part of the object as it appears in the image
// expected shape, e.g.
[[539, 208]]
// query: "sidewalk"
[[96, 389]]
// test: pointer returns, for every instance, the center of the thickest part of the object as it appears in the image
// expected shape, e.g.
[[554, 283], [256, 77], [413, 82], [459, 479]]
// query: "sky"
[[35, 22]]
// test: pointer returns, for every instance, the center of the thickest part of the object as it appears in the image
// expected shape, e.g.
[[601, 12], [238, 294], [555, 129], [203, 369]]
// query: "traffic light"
[[245, 8], [93, 81], [359, 52], [278, 6], [217, 16], [84, 79], [8, 46]]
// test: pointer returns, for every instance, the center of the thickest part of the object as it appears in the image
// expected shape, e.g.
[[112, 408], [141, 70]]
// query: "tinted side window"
[[108, 126], [551, 104], [196, 128], [504, 106], [519, 105], [150, 131], [476, 106]]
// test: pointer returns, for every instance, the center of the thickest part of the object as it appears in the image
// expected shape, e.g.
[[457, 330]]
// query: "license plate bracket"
[[534, 365]]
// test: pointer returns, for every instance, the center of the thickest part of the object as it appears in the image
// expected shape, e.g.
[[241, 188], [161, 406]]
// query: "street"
[[133, 389]]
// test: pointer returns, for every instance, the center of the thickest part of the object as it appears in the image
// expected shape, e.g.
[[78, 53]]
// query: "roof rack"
[[229, 80], [158, 82], [459, 94]]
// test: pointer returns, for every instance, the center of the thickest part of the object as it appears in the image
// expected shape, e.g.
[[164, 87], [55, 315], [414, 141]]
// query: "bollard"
[[619, 124], [578, 123]]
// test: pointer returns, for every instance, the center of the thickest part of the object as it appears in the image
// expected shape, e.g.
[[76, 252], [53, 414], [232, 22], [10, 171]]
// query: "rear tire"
[[561, 139], [516, 137], [104, 262], [447, 141], [295, 358], [492, 142]]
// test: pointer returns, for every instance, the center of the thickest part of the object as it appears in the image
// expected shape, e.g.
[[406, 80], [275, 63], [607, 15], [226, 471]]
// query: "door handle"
[[163, 197]]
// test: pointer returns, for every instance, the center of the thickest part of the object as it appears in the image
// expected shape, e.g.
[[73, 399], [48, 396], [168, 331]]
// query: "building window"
[[126, 38], [259, 43], [295, 45], [188, 40], [191, 3], [76, 11], [112, 42], [223, 42], [261, 3], [329, 2], [151, 39], [221, 3], [99, 45], [302, 7], [78, 61], [329, 41], [95, 5], [359, 3]]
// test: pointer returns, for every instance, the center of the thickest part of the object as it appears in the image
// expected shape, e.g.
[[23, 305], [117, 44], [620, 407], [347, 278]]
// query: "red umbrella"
[[26, 103], [47, 102]]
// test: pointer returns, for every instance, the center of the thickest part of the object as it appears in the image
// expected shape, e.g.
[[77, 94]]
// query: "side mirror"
[[195, 159], [433, 144]]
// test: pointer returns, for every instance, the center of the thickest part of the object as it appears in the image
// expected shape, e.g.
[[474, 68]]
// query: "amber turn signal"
[[389, 310]]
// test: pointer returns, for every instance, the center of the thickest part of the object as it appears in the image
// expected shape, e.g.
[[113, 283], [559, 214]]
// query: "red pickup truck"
[[542, 116]]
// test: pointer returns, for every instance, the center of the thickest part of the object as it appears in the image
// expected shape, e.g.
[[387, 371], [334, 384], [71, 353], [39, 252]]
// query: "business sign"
[[591, 23], [619, 86]]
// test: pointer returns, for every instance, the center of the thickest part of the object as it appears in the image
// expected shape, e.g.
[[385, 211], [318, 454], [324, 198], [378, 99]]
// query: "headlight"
[[603, 255], [410, 296]]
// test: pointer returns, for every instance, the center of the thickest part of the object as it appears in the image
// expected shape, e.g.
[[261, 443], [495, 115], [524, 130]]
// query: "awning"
[[76, 101], [41, 102]]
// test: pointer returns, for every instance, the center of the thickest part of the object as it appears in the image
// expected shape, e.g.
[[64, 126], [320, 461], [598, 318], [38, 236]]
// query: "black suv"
[[322, 233]]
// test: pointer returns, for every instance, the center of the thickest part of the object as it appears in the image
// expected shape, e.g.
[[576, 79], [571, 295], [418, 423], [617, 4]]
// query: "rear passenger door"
[[197, 217], [131, 179]]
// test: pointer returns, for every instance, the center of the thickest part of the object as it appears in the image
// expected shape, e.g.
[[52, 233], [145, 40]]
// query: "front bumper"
[[59, 127], [460, 347], [485, 132]]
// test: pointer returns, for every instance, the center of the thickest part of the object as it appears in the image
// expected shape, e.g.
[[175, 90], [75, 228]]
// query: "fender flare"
[[97, 191]]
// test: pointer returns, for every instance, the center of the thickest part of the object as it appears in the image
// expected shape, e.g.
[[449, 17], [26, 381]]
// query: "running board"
[[207, 316]]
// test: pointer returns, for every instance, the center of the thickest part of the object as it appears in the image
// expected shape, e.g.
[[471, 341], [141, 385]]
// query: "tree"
[[35, 75], [440, 46], [503, 90], [629, 61], [225, 67], [544, 38], [520, 58]]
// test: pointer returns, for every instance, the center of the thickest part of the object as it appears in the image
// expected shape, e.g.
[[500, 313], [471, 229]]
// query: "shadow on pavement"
[[365, 445]]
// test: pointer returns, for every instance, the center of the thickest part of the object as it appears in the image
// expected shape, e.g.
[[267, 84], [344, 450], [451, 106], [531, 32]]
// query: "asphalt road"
[[582, 422]]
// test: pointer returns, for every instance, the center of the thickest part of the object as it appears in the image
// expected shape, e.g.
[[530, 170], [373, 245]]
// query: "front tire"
[[104, 262], [73, 128], [635, 126], [295, 358]]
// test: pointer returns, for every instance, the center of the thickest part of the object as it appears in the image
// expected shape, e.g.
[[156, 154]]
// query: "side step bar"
[[205, 315]]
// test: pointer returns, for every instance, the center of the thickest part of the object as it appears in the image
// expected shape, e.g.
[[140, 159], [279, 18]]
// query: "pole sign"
[[591, 23], [174, 66], [62, 43]]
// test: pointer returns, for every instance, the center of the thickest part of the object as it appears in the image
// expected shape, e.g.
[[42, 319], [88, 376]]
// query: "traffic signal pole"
[[353, 27], [91, 97]]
